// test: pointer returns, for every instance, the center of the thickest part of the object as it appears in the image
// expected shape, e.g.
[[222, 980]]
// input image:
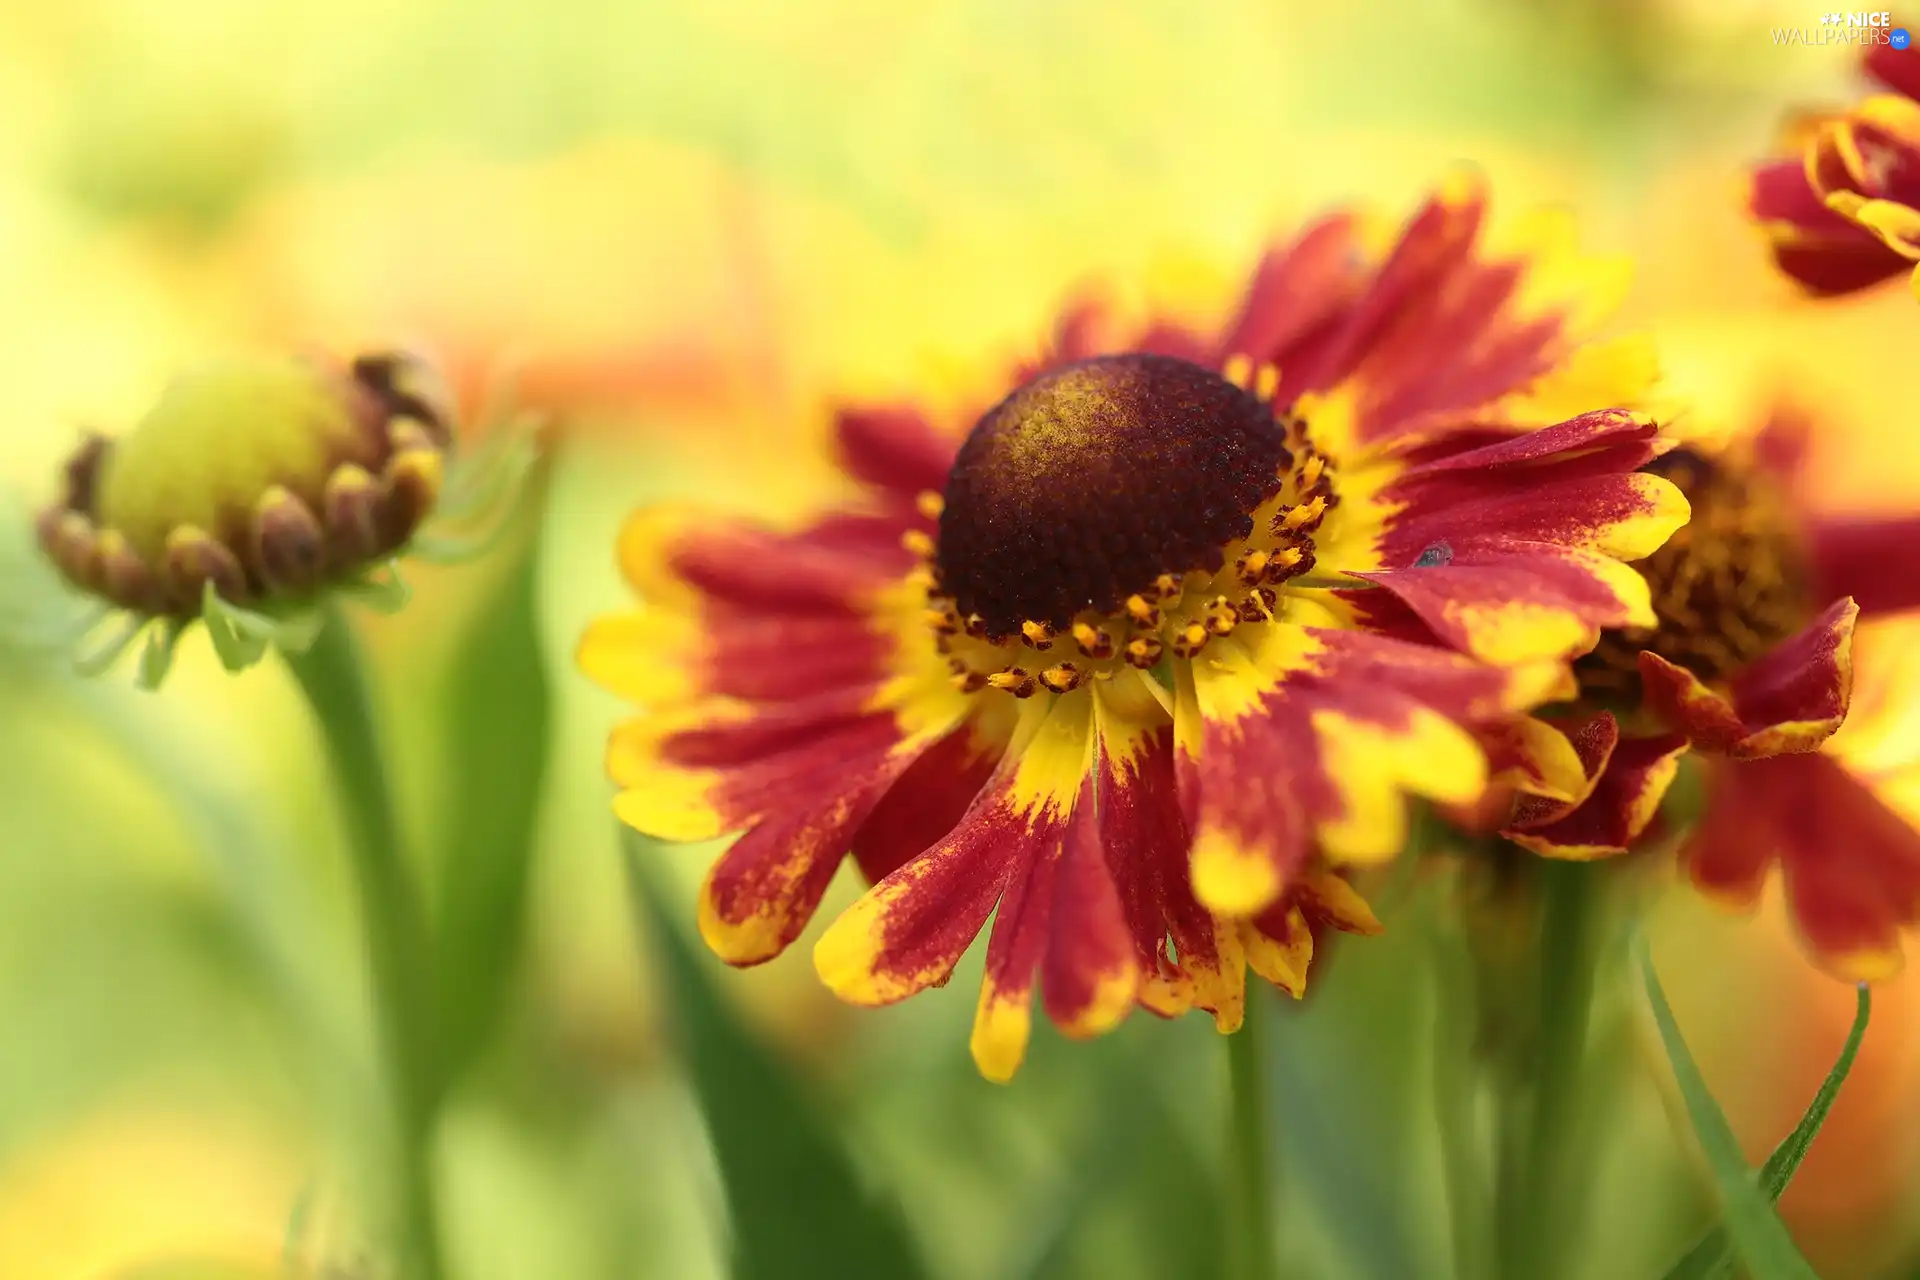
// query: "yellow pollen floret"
[[919, 542], [1306, 514], [1093, 642], [941, 620], [1222, 615], [1144, 651], [930, 504], [1143, 611], [1167, 585], [1015, 681], [1266, 381], [1237, 370], [1038, 634], [1311, 470], [1063, 678], [1191, 640], [1252, 565]]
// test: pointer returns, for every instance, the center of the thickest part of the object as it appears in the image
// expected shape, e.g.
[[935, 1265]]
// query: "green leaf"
[[797, 1206], [1712, 1254], [497, 730], [1759, 1238]]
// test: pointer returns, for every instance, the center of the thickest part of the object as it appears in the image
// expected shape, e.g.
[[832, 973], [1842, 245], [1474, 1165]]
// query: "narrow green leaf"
[[497, 729], [1759, 1238], [1712, 1254], [797, 1207], [1781, 1165]]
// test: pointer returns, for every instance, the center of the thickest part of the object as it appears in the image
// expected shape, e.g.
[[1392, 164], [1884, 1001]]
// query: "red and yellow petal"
[[760, 894], [1866, 166], [928, 800], [1090, 973], [911, 928], [1851, 865], [1185, 957], [1875, 561], [1529, 756], [686, 559], [893, 448], [1628, 779], [1817, 248], [1314, 738], [1298, 290], [1790, 700], [1455, 328], [660, 657], [1513, 550]]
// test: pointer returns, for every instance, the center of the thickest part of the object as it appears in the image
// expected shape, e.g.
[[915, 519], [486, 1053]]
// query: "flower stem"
[[333, 677], [1249, 1180], [1537, 1214]]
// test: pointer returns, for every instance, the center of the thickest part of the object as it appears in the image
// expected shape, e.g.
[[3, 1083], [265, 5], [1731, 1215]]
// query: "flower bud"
[[267, 480]]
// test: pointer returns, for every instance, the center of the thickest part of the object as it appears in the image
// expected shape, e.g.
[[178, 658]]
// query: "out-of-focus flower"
[[1843, 210], [130, 1192], [251, 488], [1105, 647], [1750, 665]]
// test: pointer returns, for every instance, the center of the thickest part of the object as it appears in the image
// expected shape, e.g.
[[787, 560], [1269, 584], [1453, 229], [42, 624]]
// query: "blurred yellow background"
[[676, 227]]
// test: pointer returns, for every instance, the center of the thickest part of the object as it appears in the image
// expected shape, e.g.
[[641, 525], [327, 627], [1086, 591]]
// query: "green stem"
[[1538, 1215], [333, 678], [1456, 1107], [1250, 1178]]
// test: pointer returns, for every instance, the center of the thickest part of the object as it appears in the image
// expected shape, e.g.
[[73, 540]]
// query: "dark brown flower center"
[[1727, 587], [1094, 480]]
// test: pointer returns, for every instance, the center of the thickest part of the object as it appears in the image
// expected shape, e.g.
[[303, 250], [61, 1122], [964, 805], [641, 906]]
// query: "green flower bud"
[[255, 488], [266, 480]]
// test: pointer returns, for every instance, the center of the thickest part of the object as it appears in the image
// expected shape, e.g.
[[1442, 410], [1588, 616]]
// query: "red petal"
[[1898, 69], [1090, 972], [1852, 866], [925, 804], [1297, 289], [1146, 839], [893, 447], [1877, 562], [761, 893], [910, 929], [1790, 700]]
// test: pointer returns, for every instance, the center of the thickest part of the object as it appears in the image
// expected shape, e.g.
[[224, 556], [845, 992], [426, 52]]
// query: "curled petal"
[[1851, 865], [1790, 700], [1821, 251], [1628, 779]]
